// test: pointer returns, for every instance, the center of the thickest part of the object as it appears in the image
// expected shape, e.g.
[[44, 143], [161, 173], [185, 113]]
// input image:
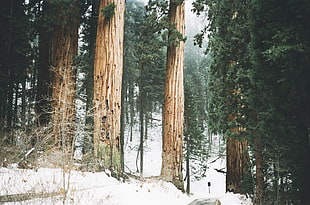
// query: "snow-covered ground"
[[99, 188]]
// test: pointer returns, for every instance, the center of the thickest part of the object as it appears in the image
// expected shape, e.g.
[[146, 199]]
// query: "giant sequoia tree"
[[228, 84], [108, 70], [259, 90], [62, 47], [174, 101]]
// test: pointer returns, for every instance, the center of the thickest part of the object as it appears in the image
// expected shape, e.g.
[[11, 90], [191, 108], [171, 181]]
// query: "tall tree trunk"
[[108, 72], [141, 117], [174, 103], [237, 164], [259, 195], [89, 81], [64, 47], [188, 178], [43, 97]]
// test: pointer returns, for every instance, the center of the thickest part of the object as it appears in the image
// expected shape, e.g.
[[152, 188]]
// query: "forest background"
[[251, 86]]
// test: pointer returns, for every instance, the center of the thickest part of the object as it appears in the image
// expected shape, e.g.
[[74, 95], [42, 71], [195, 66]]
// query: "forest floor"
[[49, 184], [46, 186]]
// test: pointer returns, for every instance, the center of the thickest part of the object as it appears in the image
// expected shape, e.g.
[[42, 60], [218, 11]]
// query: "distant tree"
[[108, 70], [196, 149], [15, 71], [86, 67]]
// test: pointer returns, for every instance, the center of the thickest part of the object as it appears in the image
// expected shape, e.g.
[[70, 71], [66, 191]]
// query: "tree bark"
[[63, 48], [237, 163], [108, 70], [174, 103], [259, 195], [43, 97]]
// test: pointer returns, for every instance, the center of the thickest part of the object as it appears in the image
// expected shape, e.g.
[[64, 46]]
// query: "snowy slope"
[[95, 188], [99, 188]]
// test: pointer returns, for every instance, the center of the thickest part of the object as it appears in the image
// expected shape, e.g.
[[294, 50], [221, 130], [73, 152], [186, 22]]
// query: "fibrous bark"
[[63, 48], [108, 70], [174, 103]]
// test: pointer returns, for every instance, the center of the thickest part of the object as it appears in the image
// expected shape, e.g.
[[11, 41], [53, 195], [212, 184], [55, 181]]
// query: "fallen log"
[[28, 196]]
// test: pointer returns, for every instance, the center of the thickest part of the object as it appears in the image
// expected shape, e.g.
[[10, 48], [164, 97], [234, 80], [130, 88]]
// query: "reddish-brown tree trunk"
[[174, 103], [260, 184], [237, 164], [108, 70], [43, 96], [63, 49]]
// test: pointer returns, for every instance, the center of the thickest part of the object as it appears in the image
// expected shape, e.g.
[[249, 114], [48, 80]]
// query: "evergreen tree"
[[195, 140], [108, 70], [14, 64], [144, 69], [172, 156], [280, 56], [228, 85]]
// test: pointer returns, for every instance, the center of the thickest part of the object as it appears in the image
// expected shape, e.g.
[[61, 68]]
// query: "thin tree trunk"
[[188, 179], [122, 140], [141, 139], [108, 72], [172, 155], [141, 98], [88, 139], [132, 110], [259, 195]]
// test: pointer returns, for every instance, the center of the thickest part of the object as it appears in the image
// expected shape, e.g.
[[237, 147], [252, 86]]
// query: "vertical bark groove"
[[108, 70], [174, 103], [62, 50]]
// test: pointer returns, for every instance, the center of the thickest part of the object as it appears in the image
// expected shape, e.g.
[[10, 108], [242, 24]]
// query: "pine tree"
[[196, 151], [15, 57]]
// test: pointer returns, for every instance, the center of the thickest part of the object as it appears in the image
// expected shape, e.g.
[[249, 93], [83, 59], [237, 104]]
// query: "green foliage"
[[158, 12], [16, 65], [258, 80], [195, 74], [108, 11], [279, 50], [144, 62]]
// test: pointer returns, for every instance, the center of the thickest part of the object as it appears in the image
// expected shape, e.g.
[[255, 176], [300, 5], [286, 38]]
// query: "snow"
[[100, 188], [97, 188]]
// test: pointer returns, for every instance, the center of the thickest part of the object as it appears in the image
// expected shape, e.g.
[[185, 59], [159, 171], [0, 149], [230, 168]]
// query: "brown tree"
[[62, 48], [237, 164], [259, 164], [174, 102], [108, 70], [43, 96]]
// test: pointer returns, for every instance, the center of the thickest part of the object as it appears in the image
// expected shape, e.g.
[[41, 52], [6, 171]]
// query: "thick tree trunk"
[[237, 164], [64, 47], [174, 103], [43, 97], [108, 72]]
